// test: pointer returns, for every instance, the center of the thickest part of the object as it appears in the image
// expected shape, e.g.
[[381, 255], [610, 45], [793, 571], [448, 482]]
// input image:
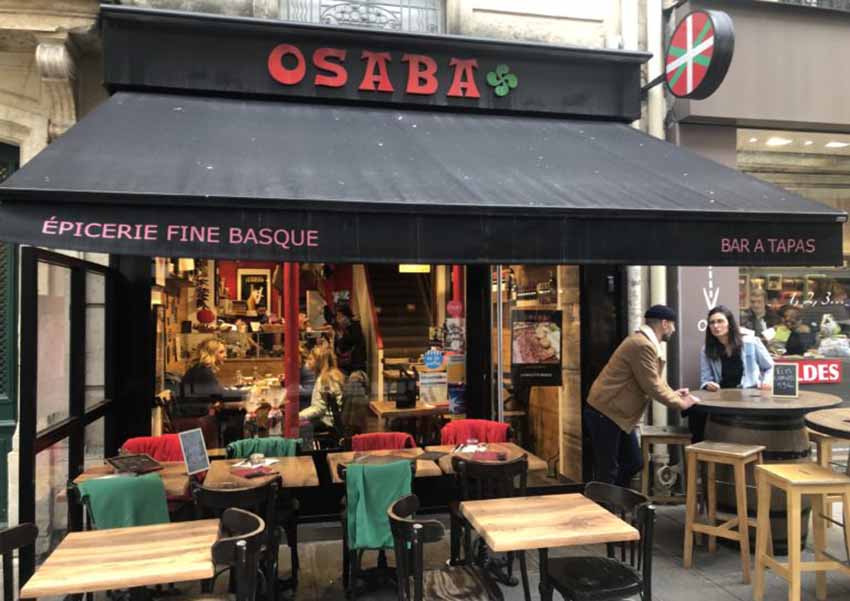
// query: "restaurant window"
[[414, 16], [66, 416]]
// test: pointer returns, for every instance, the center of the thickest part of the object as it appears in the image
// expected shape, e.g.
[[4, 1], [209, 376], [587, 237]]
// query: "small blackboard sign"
[[194, 451], [786, 380]]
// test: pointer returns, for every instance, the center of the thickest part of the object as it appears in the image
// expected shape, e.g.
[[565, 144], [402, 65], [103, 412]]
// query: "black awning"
[[200, 176]]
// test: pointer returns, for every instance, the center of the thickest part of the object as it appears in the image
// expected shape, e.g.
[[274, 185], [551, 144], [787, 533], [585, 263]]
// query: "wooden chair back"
[[636, 509], [241, 545], [12, 539], [409, 536], [491, 480], [259, 500]]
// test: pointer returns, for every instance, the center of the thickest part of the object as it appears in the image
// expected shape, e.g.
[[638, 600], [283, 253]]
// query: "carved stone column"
[[57, 68]]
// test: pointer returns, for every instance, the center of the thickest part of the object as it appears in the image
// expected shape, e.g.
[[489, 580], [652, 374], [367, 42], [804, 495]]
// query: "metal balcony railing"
[[418, 16]]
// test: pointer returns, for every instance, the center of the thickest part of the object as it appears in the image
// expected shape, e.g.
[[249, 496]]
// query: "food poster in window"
[[536, 347]]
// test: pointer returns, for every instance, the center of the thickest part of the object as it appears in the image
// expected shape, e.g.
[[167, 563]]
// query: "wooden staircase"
[[403, 318]]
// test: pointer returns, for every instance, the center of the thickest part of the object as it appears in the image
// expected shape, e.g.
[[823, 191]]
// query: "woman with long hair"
[[729, 359], [200, 379], [329, 381]]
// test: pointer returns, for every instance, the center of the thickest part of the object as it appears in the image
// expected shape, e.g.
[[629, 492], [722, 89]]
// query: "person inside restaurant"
[[329, 380], [200, 380], [729, 359], [759, 317], [793, 337], [350, 343]]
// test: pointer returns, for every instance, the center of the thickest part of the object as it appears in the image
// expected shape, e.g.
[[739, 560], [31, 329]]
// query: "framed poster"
[[536, 347], [253, 287]]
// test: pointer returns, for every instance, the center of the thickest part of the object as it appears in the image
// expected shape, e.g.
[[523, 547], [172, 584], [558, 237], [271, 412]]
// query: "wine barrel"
[[787, 441]]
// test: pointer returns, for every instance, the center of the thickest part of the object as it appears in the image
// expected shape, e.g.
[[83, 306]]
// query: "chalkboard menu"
[[786, 380], [194, 451]]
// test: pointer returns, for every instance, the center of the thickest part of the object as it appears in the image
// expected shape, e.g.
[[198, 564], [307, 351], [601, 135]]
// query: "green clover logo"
[[502, 80]]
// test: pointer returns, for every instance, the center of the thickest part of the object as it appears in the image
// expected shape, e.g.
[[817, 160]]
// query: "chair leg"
[[455, 532], [691, 509], [762, 533], [523, 570], [819, 507], [711, 496], [743, 525], [644, 472], [794, 553], [292, 543], [346, 561]]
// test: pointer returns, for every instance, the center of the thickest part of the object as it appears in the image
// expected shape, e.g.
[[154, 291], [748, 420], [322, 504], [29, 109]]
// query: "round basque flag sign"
[[699, 54]]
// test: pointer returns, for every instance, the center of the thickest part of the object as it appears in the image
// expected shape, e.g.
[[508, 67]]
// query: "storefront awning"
[[159, 174]]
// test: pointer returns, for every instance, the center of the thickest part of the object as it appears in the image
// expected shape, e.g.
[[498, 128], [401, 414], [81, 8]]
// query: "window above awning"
[[160, 174]]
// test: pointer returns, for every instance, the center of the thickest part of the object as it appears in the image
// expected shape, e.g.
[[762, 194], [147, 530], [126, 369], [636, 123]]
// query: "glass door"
[[66, 377]]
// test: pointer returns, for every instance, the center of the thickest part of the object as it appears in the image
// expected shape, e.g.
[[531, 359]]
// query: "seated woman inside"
[[329, 379], [200, 380], [729, 359]]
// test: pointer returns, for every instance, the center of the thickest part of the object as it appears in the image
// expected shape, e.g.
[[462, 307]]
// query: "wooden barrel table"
[[756, 417]]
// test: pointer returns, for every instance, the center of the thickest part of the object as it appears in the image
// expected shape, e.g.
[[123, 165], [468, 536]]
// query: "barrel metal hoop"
[[779, 425]]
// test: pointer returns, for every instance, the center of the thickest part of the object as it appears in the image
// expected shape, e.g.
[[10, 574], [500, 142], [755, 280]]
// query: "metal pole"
[[500, 389]]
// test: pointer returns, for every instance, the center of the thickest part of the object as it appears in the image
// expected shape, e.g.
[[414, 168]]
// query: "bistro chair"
[[410, 535], [483, 430], [370, 489], [260, 500], [478, 480], [382, 441], [11, 540], [240, 547], [121, 501], [287, 506], [594, 578]]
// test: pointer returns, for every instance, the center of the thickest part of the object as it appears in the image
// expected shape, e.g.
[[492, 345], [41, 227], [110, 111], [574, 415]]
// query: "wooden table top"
[[297, 472], [535, 463], [833, 422], [387, 409], [750, 401], [424, 468], [543, 522], [100, 560], [173, 474]]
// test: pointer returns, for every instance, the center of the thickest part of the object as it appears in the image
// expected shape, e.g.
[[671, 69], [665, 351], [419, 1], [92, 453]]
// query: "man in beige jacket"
[[622, 392]]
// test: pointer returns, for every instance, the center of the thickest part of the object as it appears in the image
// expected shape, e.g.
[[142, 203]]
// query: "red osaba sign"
[[820, 371]]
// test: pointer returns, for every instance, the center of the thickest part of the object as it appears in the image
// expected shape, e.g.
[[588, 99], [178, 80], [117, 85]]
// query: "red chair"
[[483, 430], [379, 441], [161, 448]]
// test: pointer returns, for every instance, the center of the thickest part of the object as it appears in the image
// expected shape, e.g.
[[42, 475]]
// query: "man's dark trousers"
[[616, 454]]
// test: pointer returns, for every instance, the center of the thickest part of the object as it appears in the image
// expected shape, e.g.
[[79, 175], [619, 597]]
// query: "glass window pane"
[[94, 452], [51, 503], [54, 344], [95, 338]]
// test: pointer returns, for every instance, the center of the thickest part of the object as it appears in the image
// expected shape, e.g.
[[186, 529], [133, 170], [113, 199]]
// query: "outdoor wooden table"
[[832, 422], [297, 472], [544, 522], [100, 560], [424, 468], [173, 474], [535, 463], [387, 410], [756, 417]]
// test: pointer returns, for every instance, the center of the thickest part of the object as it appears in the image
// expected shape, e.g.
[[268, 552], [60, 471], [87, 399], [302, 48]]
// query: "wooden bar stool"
[[824, 444], [652, 435], [711, 453], [798, 479]]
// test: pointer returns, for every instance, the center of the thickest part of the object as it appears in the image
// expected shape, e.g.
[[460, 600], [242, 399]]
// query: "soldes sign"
[[820, 371]]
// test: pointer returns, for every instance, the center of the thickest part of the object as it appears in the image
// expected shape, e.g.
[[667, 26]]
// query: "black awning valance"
[[176, 175]]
